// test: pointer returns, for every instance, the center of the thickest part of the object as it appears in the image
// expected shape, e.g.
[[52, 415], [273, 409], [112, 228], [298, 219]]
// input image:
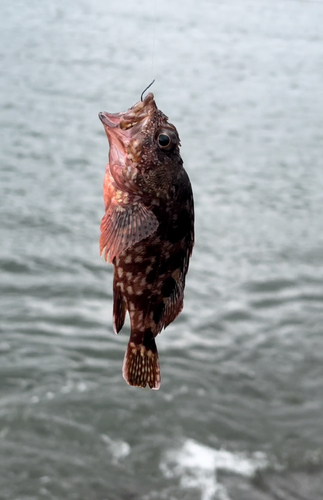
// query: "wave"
[[196, 465]]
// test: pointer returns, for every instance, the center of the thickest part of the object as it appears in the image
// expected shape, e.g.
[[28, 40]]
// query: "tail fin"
[[141, 365]]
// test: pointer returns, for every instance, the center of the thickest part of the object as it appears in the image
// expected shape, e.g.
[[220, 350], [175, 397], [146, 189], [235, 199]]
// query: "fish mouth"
[[110, 120], [125, 125]]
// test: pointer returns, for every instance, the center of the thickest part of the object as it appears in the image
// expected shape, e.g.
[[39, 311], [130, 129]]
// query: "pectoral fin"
[[123, 226]]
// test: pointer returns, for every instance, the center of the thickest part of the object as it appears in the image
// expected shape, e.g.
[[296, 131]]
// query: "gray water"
[[239, 415]]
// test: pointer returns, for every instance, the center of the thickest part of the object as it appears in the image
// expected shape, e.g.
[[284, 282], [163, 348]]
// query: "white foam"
[[118, 449], [196, 466]]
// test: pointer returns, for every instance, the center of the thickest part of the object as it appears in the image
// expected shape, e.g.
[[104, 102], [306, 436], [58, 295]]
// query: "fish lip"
[[111, 120], [118, 138]]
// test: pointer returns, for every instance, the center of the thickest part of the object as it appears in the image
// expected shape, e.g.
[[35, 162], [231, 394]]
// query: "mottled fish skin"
[[147, 231]]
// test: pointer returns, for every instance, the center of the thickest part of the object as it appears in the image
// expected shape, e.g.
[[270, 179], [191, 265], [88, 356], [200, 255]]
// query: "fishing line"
[[153, 36]]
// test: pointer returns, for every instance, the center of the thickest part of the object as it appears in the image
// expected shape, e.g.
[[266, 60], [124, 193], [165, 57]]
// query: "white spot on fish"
[[140, 249]]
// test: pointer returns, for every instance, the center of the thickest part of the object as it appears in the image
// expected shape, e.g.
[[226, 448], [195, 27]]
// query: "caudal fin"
[[141, 365]]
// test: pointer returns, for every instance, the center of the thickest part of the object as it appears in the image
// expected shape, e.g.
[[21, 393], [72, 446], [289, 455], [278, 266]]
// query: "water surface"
[[239, 415]]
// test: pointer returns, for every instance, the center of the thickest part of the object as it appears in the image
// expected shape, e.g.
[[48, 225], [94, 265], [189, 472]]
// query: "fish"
[[147, 231]]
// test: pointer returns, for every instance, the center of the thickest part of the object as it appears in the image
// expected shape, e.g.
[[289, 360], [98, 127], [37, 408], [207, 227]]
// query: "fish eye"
[[164, 140]]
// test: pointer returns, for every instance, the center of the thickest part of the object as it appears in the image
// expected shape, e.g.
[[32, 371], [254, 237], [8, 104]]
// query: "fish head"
[[141, 137]]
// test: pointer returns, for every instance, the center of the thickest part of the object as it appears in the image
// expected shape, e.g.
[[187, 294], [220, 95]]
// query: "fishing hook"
[[142, 95]]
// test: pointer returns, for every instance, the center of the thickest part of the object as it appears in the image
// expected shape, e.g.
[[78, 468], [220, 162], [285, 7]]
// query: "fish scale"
[[147, 231]]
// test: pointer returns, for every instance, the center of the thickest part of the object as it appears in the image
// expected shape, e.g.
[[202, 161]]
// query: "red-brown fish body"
[[147, 231]]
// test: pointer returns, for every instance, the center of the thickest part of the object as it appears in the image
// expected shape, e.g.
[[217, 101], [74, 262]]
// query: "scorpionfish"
[[147, 231]]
